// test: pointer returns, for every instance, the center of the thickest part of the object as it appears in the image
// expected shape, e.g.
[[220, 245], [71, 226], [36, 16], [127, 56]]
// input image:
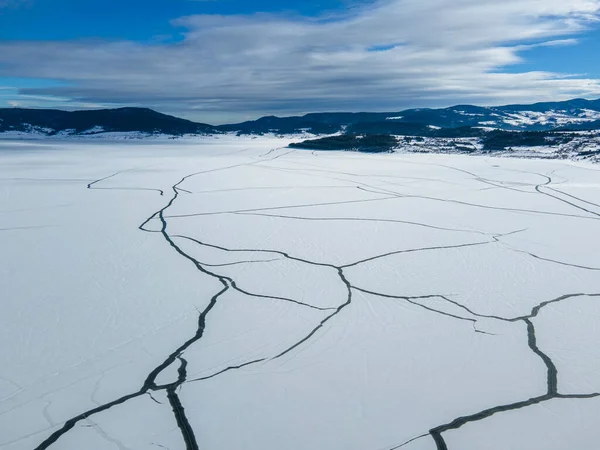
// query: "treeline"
[[502, 140], [496, 140], [372, 143]]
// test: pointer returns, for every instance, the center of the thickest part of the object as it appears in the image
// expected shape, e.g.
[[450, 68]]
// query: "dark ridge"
[[455, 121], [51, 121], [576, 103], [417, 121], [414, 129], [588, 126], [281, 125]]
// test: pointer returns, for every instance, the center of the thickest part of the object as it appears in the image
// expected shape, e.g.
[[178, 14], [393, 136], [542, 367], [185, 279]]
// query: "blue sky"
[[132, 19], [227, 60]]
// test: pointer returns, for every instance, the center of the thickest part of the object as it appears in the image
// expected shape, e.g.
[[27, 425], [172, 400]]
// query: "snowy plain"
[[230, 293]]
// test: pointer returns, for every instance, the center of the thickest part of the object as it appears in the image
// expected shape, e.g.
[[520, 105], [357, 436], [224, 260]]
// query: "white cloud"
[[438, 52]]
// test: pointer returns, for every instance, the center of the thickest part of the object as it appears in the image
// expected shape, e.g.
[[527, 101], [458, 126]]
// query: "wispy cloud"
[[389, 55]]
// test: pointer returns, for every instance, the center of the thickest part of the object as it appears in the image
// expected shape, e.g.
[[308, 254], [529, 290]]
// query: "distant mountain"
[[587, 126], [456, 121], [51, 122], [283, 125], [536, 117]]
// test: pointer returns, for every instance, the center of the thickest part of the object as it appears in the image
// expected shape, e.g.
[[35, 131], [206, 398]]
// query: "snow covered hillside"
[[236, 294]]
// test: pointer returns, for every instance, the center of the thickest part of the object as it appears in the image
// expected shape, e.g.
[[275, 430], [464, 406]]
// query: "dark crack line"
[[445, 298], [237, 263], [158, 445], [99, 180], [150, 382], [409, 442], [182, 421], [552, 373], [495, 239], [276, 252], [547, 184], [70, 424], [562, 263], [359, 219], [476, 205], [581, 208], [415, 250], [160, 191], [234, 286], [228, 369], [228, 283], [552, 377], [271, 151], [285, 299], [578, 396], [551, 381], [178, 410], [412, 301], [153, 399], [355, 183], [498, 185], [494, 183], [312, 169], [279, 156], [338, 310], [307, 205], [171, 389], [364, 186], [92, 185], [551, 370], [573, 197], [535, 311], [271, 188], [436, 433], [142, 227]]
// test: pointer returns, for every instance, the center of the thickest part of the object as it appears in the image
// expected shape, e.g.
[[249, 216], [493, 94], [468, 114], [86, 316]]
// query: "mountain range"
[[455, 121]]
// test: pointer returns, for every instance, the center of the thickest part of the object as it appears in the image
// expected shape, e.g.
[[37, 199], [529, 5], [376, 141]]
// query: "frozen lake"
[[230, 293]]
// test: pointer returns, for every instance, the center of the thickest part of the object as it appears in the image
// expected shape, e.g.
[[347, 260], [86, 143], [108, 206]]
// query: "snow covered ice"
[[230, 293]]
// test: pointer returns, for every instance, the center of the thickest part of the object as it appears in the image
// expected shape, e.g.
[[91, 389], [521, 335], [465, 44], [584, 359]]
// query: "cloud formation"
[[389, 55]]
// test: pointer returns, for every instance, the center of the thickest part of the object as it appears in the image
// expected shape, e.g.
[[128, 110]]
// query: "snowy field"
[[231, 294]]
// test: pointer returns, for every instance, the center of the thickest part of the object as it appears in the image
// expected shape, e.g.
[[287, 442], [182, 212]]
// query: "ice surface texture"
[[234, 294]]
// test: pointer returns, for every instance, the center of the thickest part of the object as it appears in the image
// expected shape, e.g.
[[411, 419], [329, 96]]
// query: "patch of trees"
[[372, 143], [501, 140]]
